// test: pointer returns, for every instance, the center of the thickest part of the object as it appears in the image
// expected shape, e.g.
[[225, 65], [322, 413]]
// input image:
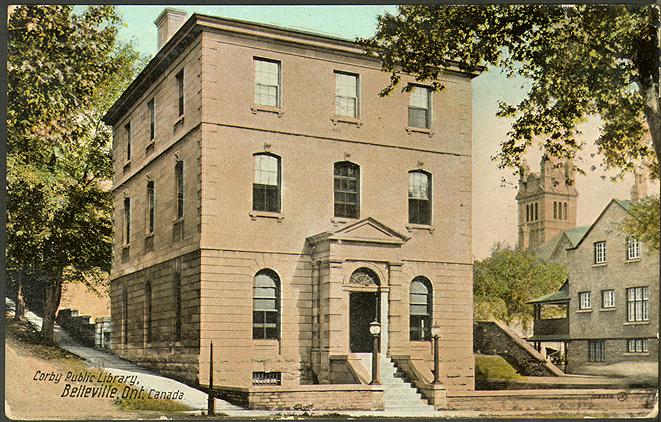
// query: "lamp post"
[[375, 330], [436, 333]]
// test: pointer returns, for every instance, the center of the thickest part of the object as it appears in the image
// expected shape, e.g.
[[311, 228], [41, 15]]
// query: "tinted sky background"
[[494, 206]]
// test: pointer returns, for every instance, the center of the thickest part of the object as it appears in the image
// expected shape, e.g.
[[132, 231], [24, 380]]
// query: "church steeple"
[[546, 202]]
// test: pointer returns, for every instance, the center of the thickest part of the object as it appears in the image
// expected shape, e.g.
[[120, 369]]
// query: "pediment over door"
[[367, 230]]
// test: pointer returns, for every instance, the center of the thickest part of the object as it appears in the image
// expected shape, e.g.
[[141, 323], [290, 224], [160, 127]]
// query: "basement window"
[[266, 378]]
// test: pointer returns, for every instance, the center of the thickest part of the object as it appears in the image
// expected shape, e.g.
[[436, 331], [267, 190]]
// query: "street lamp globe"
[[435, 331], [375, 328]]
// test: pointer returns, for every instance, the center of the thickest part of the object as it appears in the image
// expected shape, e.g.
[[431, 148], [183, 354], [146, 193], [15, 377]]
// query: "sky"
[[494, 206]]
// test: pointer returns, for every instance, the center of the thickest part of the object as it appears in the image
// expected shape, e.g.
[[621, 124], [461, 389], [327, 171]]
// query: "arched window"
[[266, 305], [419, 197], [527, 213], [565, 210], [420, 309], [266, 185], [364, 277], [148, 318], [347, 189], [127, 220], [179, 178], [536, 211], [125, 315]]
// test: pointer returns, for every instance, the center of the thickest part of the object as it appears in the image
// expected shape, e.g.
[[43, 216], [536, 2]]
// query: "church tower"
[[546, 202]]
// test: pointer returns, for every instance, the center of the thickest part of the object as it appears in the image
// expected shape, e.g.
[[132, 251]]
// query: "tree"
[[643, 222], [504, 282], [64, 71], [582, 60]]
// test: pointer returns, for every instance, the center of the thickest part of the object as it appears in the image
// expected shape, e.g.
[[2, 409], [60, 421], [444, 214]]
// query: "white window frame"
[[428, 108], [600, 252], [339, 96], [633, 248], [585, 300], [638, 304], [637, 345], [258, 83], [608, 298]]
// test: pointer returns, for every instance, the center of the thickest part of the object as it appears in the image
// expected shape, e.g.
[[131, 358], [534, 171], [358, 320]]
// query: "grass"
[[25, 334], [494, 368]]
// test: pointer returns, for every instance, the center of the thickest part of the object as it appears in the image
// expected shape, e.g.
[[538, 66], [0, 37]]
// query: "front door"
[[363, 309]]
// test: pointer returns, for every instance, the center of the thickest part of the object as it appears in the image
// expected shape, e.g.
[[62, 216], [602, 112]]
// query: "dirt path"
[[26, 398]]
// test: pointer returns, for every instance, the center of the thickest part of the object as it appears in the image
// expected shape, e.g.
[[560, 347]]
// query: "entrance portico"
[[351, 288]]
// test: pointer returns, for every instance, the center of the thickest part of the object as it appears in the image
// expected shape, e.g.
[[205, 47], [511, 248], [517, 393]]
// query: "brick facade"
[[221, 242]]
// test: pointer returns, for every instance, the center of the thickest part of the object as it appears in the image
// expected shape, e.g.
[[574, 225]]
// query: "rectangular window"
[[177, 312], [148, 299], [599, 252], [633, 248], [179, 177], [180, 91], [596, 350], [127, 221], [585, 300], [564, 214], [125, 315], [266, 378], [129, 140], [267, 83], [346, 94], [608, 298], [419, 198], [420, 107], [266, 185], [637, 345], [346, 189], [638, 304], [152, 119], [151, 208], [555, 210]]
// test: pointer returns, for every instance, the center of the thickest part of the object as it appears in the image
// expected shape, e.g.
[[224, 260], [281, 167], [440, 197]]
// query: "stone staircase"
[[400, 396]]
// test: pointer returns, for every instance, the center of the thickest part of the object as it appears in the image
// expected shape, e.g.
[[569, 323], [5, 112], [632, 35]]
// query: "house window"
[[266, 306], [420, 107], [637, 345], [585, 300], [420, 309], [151, 209], [555, 210], [266, 187], [180, 91], [346, 94], [129, 140], [596, 350], [179, 178], [266, 378], [608, 298], [600, 252], [127, 221], [267, 82], [177, 306], [638, 305], [564, 211], [419, 197], [633, 248], [148, 318], [152, 119], [527, 213], [347, 185], [125, 315]]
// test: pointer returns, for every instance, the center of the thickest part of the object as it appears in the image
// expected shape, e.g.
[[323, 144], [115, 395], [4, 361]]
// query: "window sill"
[[346, 119], [411, 227], [629, 261], [267, 341], [266, 109], [641, 354], [266, 214], [127, 166], [600, 264], [179, 121], [342, 220], [636, 323], [426, 131], [150, 147], [583, 311], [607, 309]]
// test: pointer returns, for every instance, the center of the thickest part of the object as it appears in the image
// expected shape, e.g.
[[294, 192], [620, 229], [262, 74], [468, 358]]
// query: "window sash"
[[599, 252], [151, 211], [129, 140], [180, 90], [152, 119], [633, 248], [585, 301], [596, 350], [638, 304], [267, 83], [346, 94], [608, 298], [179, 172], [346, 190], [127, 221]]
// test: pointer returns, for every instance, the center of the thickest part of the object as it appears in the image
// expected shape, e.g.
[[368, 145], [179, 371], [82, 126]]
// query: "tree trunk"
[[51, 303], [20, 297]]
